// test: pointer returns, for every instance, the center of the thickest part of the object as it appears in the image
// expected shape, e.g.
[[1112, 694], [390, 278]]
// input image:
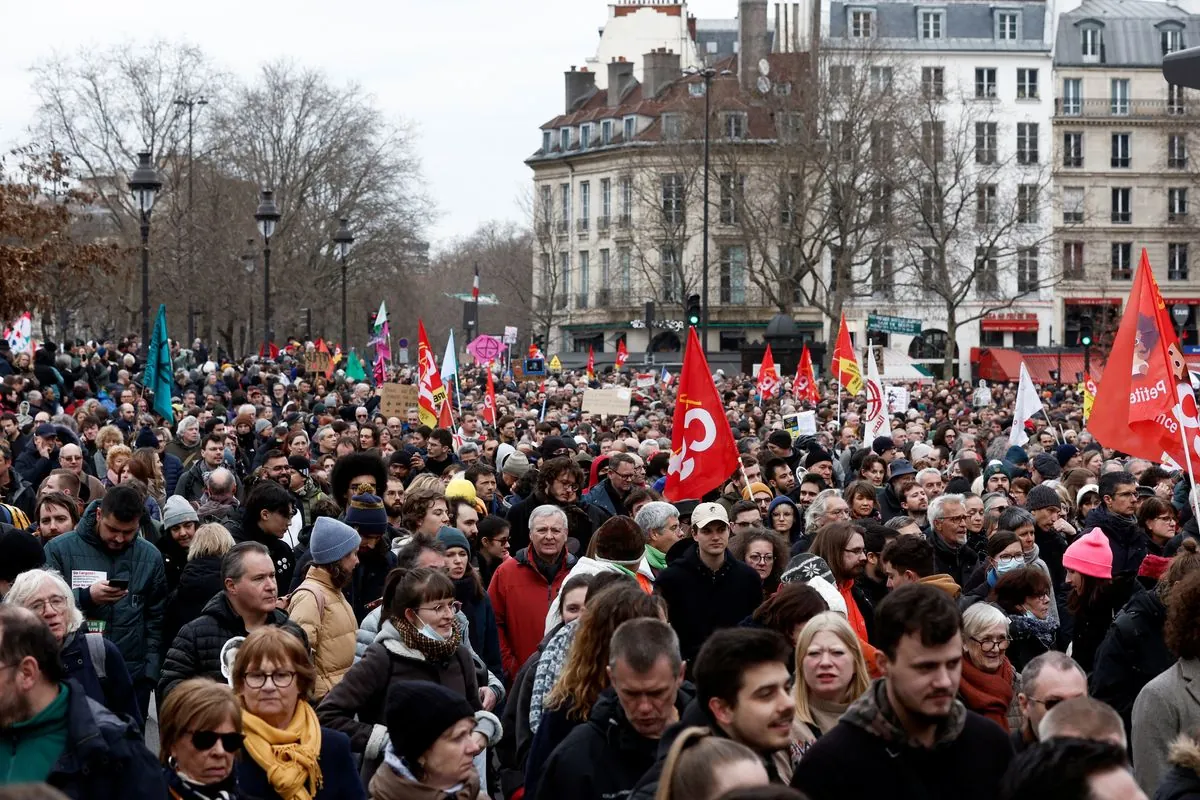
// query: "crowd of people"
[[317, 600]]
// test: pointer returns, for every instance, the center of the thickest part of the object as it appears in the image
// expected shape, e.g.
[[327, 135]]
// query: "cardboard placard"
[[316, 362], [395, 399], [614, 402]]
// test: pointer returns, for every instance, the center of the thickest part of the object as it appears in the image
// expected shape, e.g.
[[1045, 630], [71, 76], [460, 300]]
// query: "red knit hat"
[[1090, 554]]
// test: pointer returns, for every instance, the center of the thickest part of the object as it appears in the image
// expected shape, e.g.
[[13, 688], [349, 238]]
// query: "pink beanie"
[[1090, 555]]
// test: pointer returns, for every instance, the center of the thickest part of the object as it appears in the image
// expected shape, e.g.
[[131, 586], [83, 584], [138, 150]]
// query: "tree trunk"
[[951, 342]]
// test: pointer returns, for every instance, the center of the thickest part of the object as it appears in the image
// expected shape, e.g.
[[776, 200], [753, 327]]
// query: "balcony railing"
[[581, 225], [1123, 108], [581, 300], [602, 223]]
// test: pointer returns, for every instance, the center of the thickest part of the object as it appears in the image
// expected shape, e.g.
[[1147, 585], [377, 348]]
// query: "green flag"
[[354, 368], [159, 370]]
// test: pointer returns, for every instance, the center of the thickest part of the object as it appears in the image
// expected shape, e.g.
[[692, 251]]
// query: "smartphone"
[[119, 583]]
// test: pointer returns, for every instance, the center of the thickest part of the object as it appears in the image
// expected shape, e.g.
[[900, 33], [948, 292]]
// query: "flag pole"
[[1050, 424], [1187, 456]]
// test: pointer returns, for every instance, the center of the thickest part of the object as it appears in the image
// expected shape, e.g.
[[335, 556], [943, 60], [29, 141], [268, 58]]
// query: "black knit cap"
[[418, 712]]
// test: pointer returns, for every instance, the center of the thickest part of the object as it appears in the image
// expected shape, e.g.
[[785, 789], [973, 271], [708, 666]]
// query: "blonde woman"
[[106, 438], [118, 456], [831, 673]]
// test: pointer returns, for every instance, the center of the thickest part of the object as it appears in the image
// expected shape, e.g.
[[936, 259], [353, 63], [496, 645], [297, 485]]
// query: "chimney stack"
[[753, 40], [578, 84], [659, 68], [620, 75]]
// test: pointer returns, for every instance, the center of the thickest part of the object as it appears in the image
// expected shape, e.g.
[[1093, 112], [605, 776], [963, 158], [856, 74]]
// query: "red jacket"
[[521, 599]]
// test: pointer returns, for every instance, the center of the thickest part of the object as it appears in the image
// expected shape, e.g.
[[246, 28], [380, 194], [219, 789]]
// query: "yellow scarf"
[[290, 757]]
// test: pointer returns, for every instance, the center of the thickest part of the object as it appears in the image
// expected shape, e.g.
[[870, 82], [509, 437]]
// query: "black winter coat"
[[1127, 540], [957, 563], [196, 651], [199, 583], [1132, 654], [281, 551], [1182, 782], [513, 750], [582, 521], [174, 558]]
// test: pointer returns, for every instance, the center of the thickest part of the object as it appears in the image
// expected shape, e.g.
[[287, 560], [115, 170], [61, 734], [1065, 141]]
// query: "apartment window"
[[547, 204], [564, 270], [933, 135], [1072, 198], [787, 199], [841, 79], [1072, 262], [564, 139], [625, 268], [841, 136], [606, 132], [881, 79], [790, 125], [585, 204], [1177, 156], [882, 269], [626, 190], [585, 263], [696, 88], [733, 274], [605, 270], [931, 204], [585, 136], [668, 266], [862, 24], [605, 200], [926, 264], [1171, 39], [1027, 204], [1122, 261], [546, 141], [1006, 26], [564, 193], [1120, 150], [1027, 143], [1072, 97], [1027, 84], [932, 24], [734, 125], [985, 142], [985, 204], [1175, 99], [1177, 261], [933, 82], [731, 198], [987, 270], [881, 203], [1072, 154], [1119, 96], [1027, 269], [985, 82], [1177, 204], [629, 128], [671, 127], [1090, 43], [883, 137], [672, 198], [1121, 211]]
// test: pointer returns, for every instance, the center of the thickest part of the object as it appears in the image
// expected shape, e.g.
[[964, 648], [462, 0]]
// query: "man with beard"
[[841, 546], [54, 733], [914, 502], [1115, 516], [948, 535], [909, 733], [393, 504]]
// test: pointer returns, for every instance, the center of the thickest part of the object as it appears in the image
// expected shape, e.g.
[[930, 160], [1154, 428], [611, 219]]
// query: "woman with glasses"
[[1158, 520], [200, 730], [766, 553], [86, 656], [1024, 595], [988, 682], [419, 640], [1003, 556], [289, 756]]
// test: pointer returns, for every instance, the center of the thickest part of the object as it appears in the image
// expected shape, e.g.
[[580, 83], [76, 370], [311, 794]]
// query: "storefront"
[[1009, 329]]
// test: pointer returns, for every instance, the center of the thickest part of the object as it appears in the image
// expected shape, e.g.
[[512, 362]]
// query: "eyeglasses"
[[58, 603], [281, 680], [759, 558], [1165, 518], [207, 740], [955, 519], [1049, 703], [1126, 494], [453, 607], [988, 645], [855, 551]]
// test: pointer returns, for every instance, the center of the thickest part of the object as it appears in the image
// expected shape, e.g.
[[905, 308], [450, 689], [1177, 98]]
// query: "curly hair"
[[585, 675], [554, 468], [416, 506], [779, 547], [1181, 633]]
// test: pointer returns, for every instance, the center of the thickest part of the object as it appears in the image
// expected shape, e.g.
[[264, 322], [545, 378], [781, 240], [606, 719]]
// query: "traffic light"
[[370, 324], [1085, 330], [693, 309]]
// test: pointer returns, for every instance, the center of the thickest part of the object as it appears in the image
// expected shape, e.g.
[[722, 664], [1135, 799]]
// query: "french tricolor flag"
[[475, 285]]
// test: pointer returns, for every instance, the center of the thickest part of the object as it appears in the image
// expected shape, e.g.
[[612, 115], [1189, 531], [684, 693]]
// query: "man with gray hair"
[[828, 506], [186, 445], [1046, 681], [523, 586], [948, 535], [1083, 718], [219, 501], [609, 754], [660, 522]]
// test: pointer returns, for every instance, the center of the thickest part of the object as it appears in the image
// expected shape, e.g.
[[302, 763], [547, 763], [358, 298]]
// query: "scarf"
[[181, 787], [1044, 630], [1032, 555], [656, 559], [290, 757], [873, 713], [435, 650], [987, 693]]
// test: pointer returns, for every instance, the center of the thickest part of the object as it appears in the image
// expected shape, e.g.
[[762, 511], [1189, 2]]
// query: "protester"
[[200, 727], [473, 598], [659, 522], [200, 580], [265, 519], [989, 681], [1093, 600], [1024, 595], [1071, 768], [1046, 681], [705, 766], [179, 521]]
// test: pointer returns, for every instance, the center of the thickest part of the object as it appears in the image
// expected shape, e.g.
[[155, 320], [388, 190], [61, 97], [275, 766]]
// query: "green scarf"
[[656, 559]]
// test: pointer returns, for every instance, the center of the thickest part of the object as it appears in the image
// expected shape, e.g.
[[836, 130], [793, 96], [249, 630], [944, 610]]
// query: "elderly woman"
[[989, 681], [660, 522], [106, 438], [290, 756], [116, 458], [93, 661], [200, 730]]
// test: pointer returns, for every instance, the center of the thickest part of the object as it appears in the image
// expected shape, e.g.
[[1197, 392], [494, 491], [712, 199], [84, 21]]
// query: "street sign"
[[555, 364], [901, 325]]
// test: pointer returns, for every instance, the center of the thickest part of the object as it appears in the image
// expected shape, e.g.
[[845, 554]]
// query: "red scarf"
[[859, 625], [987, 693]]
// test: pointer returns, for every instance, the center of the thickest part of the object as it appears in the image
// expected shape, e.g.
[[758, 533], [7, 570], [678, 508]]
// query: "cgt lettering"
[[1144, 394]]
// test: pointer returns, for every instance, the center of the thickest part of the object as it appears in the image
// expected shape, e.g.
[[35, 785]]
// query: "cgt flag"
[[1089, 396], [591, 365], [768, 378], [431, 392], [703, 452], [845, 363], [489, 401], [805, 385], [875, 418], [622, 354], [1145, 394]]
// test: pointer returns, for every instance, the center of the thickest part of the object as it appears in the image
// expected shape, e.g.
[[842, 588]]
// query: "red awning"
[[1003, 365]]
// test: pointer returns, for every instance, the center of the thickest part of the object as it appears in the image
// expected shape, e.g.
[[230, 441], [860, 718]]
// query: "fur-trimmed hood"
[[1185, 752]]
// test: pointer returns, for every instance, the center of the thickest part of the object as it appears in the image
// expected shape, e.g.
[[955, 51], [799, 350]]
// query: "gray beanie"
[[177, 511], [1046, 465], [516, 465], [1042, 496], [332, 540]]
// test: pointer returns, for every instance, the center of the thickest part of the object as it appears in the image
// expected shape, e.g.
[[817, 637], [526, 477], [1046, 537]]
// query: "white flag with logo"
[[875, 422], [1028, 404]]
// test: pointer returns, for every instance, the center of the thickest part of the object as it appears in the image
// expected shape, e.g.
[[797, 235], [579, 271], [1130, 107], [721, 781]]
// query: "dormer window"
[[671, 126], [1007, 26], [1171, 38], [734, 125], [933, 25], [546, 139], [862, 23], [696, 89], [564, 139], [606, 132], [585, 136], [629, 128], [1090, 43]]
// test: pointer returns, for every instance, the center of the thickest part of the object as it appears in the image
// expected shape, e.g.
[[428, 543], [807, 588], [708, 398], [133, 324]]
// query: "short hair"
[[1181, 632], [74, 485], [123, 502], [417, 503], [913, 553], [115, 452], [1014, 517], [1153, 507], [901, 521], [1109, 482], [937, 506], [1060, 769], [815, 479], [876, 535], [265, 496], [409, 588], [492, 526], [442, 437], [926, 473], [410, 551], [640, 642], [794, 604], [655, 515], [213, 438], [210, 539], [727, 654], [981, 617], [197, 704], [816, 509], [916, 608], [23, 635], [477, 471], [741, 506], [771, 465], [468, 448], [1052, 659], [1082, 718], [548, 510], [27, 584], [221, 479], [1014, 588], [60, 499], [282, 648], [620, 458], [233, 562]]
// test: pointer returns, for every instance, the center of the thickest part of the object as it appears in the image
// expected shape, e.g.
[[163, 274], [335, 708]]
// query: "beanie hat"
[[300, 464], [1016, 455], [417, 713], [1046, 465], [882, 444], [332, 540], [780, 438], [756, 488], [812, 571], [243, 419], [262, 425], [401, 458], [620, 540], [146, 438], [460, 489], [176, 511], [921, 450], [453, 537], [1042, 496], [1153, 567], [367, 515], [19, 552], [996, 468], [516, 465], [1090, 554], [816, 456], [1064, 453]]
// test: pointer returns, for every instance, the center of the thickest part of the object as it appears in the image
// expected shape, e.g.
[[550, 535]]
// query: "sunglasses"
[[207, 740]]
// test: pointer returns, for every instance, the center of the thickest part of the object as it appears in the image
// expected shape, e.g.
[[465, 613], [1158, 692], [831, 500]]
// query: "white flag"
[[875, 422], [450, 360], [381, 315], [1028, 404]]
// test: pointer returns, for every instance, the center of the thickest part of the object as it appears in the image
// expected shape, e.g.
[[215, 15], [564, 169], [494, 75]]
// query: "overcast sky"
[[477, 77]]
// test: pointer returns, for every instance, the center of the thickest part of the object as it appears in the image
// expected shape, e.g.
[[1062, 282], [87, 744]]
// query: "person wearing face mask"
[[1003, 556], [419, 640]]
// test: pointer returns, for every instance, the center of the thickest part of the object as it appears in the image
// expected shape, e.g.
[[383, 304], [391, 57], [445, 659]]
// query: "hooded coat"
[[1182, 781], [199, 583]]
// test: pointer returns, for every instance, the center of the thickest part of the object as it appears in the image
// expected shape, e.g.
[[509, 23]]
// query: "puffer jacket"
[[196, 651], [1182, 781], [172, 469], [199, 583], [328, 620], [134, 623], [1132, 654]]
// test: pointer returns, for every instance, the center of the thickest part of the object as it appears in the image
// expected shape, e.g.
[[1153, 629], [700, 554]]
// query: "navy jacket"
[[337, 769], [115, 691]]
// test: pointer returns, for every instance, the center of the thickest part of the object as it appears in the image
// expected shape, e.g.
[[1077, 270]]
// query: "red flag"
[[845, 363], [768, 378], [805, 385], [431, 394], [323, 348], [445, 418], [703, 453], [622, 354], [1145, 390], [591, 367], [274, 352], [489, 402]]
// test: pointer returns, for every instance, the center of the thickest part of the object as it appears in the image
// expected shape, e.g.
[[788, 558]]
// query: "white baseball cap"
[[708, 512]]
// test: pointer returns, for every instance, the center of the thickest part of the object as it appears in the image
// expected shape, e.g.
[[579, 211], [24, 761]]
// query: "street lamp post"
[[707, 73], [267, 217], [145, 184], [342, 240]]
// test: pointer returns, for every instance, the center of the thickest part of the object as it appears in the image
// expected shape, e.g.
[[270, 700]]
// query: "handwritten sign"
[[395, 399], [316, 362]]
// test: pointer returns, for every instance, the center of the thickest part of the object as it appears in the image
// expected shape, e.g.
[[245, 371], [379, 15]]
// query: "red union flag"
[[805, 385], [1145, 393], [432, 395], [845, 362], [489, 402], [703, 453], [768, 378], [622, 354]]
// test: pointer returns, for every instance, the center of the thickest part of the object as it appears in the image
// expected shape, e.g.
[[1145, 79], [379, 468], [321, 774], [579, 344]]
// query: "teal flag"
[[354, 368], [159, 370]]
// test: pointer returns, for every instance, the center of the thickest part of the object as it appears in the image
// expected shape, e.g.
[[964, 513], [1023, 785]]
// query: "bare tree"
[[550, 244]]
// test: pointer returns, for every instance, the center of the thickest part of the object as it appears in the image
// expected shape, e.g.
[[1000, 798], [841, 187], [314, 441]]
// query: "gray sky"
[[476, 76]]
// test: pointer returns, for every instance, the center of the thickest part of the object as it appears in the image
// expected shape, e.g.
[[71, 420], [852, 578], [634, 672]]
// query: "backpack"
[[98, 654]]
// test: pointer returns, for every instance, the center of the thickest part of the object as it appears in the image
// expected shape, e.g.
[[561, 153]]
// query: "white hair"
[[816, 510], [981, 618], [548, 510], [29, 582], [928, 472], [937, 506], [655, 515]]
